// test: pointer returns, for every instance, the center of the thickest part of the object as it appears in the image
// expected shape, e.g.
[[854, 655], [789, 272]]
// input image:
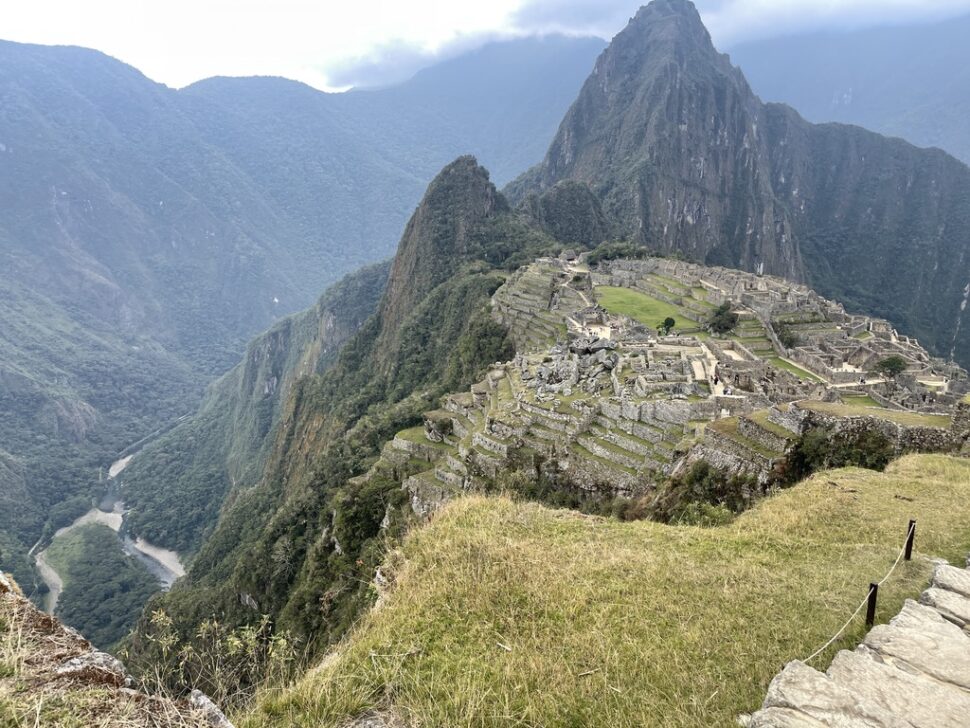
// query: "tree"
[[890, 368], [667, 325], [723, 319], [788, 338]]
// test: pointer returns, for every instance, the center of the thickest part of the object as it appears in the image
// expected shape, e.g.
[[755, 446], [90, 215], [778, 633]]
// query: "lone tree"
[[667, 325], [723, 319], [788, 338], [890, 368]]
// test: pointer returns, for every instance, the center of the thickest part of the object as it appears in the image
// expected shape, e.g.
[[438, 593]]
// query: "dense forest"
[[104, 588]]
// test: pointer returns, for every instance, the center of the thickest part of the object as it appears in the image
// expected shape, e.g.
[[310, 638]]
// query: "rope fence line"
[[906, 551]]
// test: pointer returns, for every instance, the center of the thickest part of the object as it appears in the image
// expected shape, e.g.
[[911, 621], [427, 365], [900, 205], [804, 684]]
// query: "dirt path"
[[117, 466]]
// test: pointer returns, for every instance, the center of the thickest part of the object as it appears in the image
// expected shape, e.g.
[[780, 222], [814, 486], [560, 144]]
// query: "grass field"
[[511, 614], [796, 370], [912, 419], [863, 400], [640, 307]]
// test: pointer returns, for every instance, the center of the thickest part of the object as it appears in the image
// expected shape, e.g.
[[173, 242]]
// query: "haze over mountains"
[[911, 81], [148, 233]]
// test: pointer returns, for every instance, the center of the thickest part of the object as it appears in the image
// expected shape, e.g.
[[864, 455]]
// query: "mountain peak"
[[439, 237], [664, 31]]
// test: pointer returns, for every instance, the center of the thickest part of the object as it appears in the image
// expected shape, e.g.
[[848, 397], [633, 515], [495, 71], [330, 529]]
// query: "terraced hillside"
[[600, 405]]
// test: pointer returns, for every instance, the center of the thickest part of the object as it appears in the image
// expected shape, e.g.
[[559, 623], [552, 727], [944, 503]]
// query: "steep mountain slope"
[[320, 526], [147, 233], [909, 81], [175, 487], [685, 158]]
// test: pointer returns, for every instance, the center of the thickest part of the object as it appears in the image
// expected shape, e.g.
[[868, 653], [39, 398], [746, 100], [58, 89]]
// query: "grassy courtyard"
[[641, 307]]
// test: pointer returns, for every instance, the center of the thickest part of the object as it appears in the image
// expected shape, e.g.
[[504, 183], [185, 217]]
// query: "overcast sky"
[[332, 44]]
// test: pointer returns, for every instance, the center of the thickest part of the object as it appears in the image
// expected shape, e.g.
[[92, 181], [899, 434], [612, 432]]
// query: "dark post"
[[910, 537], [871, 608]]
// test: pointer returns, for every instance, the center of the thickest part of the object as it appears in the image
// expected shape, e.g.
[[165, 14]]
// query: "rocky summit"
[[684, 157]]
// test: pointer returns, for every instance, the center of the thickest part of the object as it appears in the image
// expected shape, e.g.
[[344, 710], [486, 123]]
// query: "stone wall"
[[903, 438], [756, 433], [599, 479]]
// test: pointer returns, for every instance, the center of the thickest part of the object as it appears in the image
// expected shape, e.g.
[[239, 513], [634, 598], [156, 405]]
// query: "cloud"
[[604, 18], [735, 21], [398, 60], [338, 43]]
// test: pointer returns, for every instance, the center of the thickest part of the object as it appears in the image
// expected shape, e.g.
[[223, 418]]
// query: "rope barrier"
[[855, 614]]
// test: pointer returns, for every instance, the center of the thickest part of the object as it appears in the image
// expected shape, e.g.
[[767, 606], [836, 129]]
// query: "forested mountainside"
[[299, 545], [684, 157], [176, 485], [147, 233], [910, 81]]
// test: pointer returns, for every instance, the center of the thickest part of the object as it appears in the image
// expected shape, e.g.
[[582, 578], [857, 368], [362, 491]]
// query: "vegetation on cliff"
[[176, 486], [303, 543], [501, 612]]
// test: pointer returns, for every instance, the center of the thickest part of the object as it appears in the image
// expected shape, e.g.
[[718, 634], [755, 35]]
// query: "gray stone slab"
[[920, 637], [801, 688], [907, 694], [952, 606], [953, 579]]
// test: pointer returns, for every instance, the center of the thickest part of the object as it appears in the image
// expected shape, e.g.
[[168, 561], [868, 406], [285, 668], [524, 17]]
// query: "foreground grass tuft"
[[511, 614]]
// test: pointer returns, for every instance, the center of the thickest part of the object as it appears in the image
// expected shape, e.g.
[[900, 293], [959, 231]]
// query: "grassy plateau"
[[643, 308], [506, 613]]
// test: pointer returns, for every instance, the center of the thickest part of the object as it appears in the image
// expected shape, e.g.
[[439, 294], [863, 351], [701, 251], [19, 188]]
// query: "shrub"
[[723, 319]]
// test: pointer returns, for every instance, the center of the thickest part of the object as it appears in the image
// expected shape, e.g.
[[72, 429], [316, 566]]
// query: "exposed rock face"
[[54, 677], [668, 134], [913, 672], [439, 237]]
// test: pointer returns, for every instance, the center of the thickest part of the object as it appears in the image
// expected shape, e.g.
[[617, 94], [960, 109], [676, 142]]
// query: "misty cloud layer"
[[334, 44]]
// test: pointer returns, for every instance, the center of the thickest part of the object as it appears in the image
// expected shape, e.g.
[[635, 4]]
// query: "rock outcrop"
[[911, 673], [51, 675]]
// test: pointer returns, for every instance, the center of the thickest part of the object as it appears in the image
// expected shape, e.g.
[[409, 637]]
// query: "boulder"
[[95, 667], [213, 716]]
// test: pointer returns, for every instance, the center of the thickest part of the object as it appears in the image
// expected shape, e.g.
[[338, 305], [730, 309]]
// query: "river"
[[163, 564]]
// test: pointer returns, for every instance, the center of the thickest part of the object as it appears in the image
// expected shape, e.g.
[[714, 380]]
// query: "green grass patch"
[[511, 614], [794, 369], [860, 400], [639, 306], [911, 419], [761, 417]]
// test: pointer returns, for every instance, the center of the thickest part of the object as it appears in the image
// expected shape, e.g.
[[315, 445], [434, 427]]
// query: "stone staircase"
[[911, 673]]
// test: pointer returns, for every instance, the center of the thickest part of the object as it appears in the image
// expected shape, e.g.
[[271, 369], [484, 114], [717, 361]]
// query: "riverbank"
[[164, 564]]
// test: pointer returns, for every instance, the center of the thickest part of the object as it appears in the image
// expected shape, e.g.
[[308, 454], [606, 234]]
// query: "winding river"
[[163, 564]]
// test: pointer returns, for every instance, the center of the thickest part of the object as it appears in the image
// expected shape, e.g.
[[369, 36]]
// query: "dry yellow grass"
[[32, 646], [512, 614]]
